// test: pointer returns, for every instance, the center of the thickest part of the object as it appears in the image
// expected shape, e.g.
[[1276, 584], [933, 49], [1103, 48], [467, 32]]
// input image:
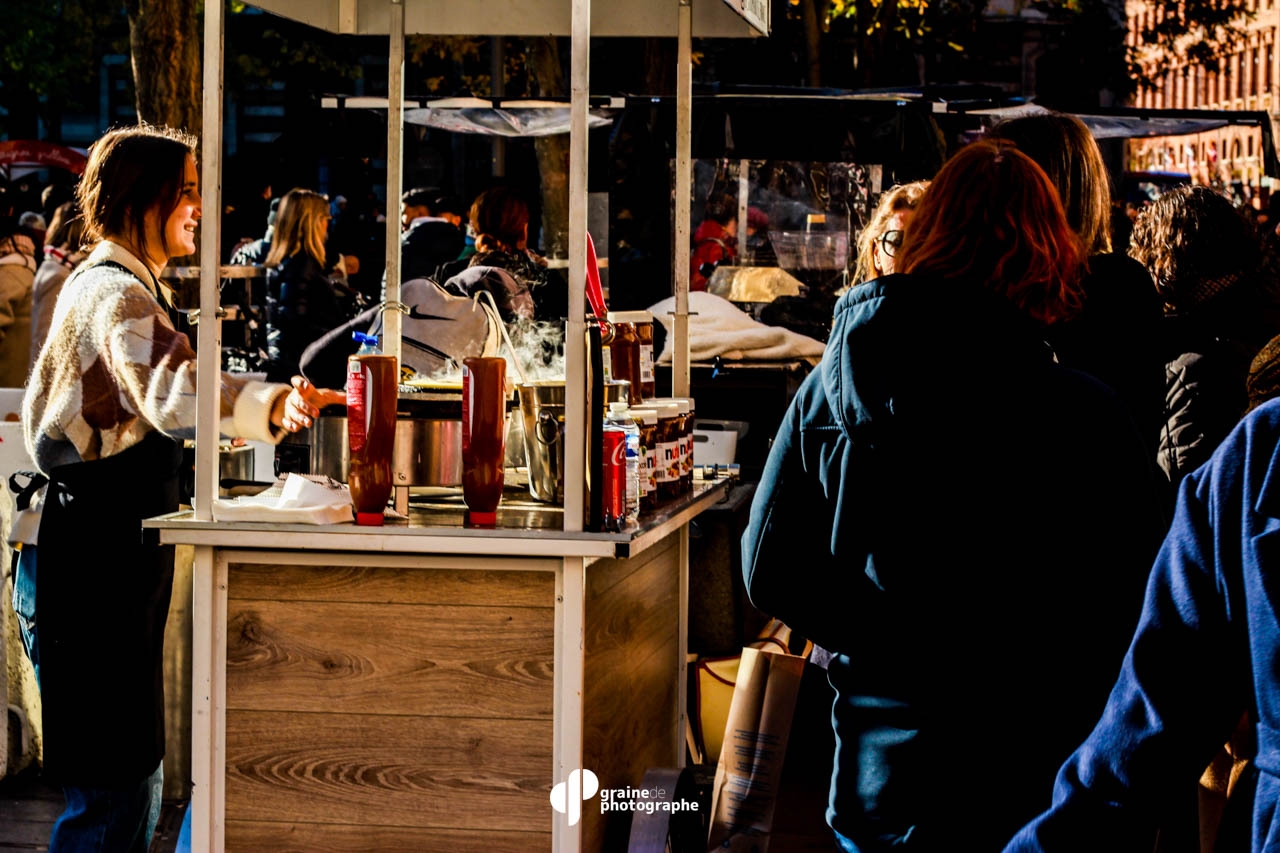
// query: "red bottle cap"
[[371, 519], [482, 519]]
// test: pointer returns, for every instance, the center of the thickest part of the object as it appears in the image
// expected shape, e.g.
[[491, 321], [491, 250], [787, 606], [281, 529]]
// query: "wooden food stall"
[[424, 685]]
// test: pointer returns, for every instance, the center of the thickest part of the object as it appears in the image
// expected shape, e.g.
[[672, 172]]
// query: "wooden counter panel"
[[394, 585], [425, 772], [632, 657], [390, 659], [257, 836]]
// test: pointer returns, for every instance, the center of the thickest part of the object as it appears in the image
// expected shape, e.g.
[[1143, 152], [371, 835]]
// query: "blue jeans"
[[120, 819], [109, 820], [24, 603]]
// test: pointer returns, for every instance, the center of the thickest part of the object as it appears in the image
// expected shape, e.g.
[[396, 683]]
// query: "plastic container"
[[647, 421], [372, 396], [484, 433], [620, 416]]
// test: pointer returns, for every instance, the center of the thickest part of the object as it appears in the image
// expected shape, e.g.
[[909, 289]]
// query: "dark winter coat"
[[967, 525], [1204, 654], [1115, 339], [427, 245], [1207, 353], [302, 307]]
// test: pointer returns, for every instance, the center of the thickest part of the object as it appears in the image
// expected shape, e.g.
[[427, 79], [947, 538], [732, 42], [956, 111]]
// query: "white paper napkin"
[[299, 500]]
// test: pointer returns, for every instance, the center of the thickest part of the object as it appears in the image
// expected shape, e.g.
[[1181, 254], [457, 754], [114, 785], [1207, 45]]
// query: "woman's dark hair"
[[1063, 146], [130, 171], [500, 219], [1194, 243], [991, 216], [721, 208]]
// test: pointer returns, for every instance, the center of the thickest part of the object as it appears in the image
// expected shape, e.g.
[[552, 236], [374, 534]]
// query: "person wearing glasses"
[[945, 507], [878, 243]]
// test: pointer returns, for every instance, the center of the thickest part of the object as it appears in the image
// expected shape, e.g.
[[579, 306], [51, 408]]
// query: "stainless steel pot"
[[427, 452], [542, 415]]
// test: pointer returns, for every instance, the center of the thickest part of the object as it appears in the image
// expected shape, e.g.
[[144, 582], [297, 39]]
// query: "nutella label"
[[667, 462], [607, 357], [648, 469], [357, 405], [646, 363]]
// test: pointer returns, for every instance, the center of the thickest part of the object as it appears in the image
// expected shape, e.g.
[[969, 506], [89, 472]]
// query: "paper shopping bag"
[[755, 743]]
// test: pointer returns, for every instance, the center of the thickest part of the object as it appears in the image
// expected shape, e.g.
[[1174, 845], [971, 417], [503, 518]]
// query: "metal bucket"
[[542, 415], [427, 452]]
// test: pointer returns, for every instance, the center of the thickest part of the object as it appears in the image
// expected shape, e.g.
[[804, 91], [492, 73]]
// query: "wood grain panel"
[[603, 575], [244, 836], [630, 695], [392, 585], [426, 772], [390, 659]]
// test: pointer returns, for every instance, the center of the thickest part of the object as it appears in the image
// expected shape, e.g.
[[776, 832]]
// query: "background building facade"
[[1247, 78]]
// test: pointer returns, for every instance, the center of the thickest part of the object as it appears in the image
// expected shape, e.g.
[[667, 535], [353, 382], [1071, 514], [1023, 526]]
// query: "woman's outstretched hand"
[[294, 411]]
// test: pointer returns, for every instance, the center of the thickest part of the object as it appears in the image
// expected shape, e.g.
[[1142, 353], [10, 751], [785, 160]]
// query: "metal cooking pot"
[[427, 449], [542, 414]]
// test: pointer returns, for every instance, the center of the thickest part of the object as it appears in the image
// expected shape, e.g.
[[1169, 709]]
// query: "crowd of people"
[[965, 504], [1030, 460]]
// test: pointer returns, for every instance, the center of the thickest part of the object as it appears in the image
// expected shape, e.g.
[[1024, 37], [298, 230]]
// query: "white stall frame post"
[[684, 175], [391, 316], [207, 696]]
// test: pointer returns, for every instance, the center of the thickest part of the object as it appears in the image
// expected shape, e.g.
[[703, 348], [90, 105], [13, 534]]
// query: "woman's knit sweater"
[[114, 369]]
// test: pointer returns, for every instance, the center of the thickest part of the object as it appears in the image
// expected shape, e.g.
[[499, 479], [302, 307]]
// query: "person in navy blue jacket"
[[1204, 653], [964, 522]]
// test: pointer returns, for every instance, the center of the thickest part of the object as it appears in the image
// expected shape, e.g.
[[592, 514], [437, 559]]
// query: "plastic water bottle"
[[620, 418], [368, 343]]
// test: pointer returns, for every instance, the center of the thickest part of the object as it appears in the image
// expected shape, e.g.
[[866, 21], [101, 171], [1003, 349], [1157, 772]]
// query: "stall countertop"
[[524, 528]]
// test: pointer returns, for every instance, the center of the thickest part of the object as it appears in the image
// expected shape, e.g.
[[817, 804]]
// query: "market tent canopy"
[[487, 116], [29, 152], [711, 18], [1133, 123]]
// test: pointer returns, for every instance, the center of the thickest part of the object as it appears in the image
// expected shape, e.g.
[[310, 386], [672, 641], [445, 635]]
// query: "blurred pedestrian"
[[715, 241], [429, 238], [304, 303], [17, 276], [1219, 312], [1115, 336], [63, 254]]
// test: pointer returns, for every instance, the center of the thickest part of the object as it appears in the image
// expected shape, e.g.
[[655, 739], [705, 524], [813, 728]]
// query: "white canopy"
[[652, 18]]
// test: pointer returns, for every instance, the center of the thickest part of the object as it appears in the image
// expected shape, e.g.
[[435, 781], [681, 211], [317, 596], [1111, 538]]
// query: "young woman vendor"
[[110, 397]]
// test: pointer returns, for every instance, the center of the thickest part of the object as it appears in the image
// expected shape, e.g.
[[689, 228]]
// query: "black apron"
[[102, 598]]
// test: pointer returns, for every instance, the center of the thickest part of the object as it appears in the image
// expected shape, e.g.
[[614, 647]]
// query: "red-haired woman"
[[945, 507]]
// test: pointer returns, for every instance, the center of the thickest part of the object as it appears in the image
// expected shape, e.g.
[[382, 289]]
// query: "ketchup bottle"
[[484, 434], [372, 396]]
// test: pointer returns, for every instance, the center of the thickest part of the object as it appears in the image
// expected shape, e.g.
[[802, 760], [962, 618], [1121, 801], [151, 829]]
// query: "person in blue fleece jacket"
[[1204, 654], [964, 522]]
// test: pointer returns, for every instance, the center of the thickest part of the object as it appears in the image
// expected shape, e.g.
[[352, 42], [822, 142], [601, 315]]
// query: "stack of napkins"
[[296, 500]]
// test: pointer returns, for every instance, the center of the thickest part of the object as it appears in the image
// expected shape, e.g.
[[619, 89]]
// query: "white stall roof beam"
[[648, 18]]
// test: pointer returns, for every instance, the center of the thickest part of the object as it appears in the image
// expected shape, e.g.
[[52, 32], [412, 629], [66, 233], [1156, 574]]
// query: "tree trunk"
[[164, 45], [812, 41], [547, 76]]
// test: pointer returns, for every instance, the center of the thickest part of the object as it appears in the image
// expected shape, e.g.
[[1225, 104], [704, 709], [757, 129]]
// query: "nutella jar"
[[624, 353], [647, 421], [641, 322], [686, 440], [667, 444]]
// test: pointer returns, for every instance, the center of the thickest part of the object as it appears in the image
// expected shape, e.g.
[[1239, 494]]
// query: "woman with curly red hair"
[[943, 508]]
